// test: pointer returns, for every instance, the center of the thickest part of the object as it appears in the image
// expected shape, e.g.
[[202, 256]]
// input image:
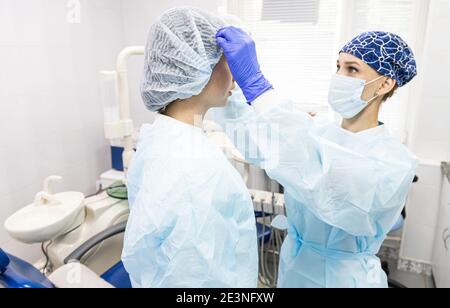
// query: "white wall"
[[51, 115], [430, 135], [422, 213]]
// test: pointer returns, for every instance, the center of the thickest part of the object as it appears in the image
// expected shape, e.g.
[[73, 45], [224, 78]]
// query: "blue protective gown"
[[192, 223], [344, 191]]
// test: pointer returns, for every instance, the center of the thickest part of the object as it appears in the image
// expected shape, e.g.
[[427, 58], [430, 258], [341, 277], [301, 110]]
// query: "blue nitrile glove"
[[240, 52]]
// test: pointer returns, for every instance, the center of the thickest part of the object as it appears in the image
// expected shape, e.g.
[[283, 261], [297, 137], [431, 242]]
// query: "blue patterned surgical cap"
[[385, 52]]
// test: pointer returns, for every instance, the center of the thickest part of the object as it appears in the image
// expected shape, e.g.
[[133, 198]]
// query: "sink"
[[47, 218]]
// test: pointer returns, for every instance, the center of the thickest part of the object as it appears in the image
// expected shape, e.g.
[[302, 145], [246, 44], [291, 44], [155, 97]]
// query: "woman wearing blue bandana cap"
[[345, 185]]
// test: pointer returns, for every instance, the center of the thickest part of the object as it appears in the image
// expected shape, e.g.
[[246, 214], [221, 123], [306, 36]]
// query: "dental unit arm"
[[122, 127]]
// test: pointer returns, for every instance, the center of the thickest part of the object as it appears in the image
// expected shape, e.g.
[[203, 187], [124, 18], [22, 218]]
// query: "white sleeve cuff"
[[266, 101]]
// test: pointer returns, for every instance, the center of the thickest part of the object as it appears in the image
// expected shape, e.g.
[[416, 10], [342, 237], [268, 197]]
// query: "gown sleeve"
[[362, 194]]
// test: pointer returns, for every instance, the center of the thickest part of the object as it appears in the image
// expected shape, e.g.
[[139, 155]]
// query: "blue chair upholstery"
[[4, 261], [18, 274], [118, 277]]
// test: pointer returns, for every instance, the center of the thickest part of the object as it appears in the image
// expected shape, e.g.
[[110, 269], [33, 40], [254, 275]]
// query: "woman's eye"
[[353, 70]]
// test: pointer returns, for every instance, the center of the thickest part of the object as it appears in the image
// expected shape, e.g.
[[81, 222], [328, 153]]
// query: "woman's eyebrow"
[[351, 63]]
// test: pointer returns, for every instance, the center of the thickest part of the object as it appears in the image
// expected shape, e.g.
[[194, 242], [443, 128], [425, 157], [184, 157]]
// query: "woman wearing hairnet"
[[345, 185], [192, 222]]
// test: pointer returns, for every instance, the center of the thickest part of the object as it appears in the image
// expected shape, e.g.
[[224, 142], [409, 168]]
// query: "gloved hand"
[[240, 52]]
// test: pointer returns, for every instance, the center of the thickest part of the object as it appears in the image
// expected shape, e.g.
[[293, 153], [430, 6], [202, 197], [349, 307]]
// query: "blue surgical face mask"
[[345, 95]]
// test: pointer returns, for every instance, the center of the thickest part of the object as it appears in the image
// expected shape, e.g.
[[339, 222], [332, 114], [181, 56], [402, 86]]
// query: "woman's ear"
[[386, 87]]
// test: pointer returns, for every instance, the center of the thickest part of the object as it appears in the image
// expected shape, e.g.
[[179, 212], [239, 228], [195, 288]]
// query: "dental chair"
[[17, 273]]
